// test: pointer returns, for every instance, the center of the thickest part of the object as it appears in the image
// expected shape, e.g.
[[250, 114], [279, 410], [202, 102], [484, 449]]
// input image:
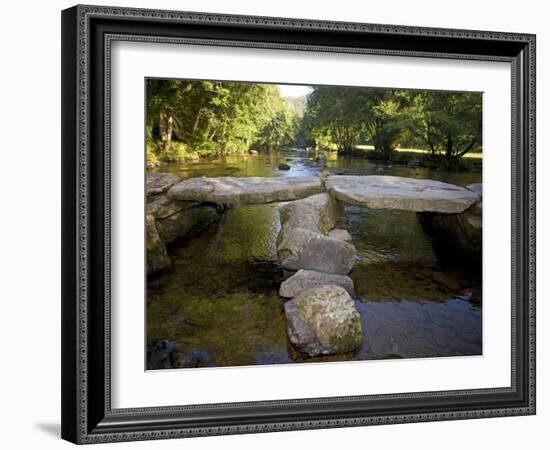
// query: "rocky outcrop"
[[249, 190], [389, 192], [323, 321], [158, 182], [180, 220], [157, 256], [306, 279]]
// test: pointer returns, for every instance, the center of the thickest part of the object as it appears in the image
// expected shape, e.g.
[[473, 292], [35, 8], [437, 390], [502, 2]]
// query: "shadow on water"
[[220, 304]]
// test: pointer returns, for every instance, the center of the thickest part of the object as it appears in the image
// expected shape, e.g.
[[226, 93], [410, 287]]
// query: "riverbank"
[[411, 157]]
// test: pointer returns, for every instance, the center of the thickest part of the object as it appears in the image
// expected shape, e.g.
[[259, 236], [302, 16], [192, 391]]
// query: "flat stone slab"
[[250, 190], [159, 182], [389, 192]]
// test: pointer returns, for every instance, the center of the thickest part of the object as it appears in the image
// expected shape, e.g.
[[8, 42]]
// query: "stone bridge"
[[321, 315], [372, 191]]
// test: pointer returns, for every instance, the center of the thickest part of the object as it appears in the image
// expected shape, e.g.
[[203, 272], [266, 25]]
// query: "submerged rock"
[[249, 190], [389, 192], [299, 248], [157, 256], [318, 213], [283, 166], [305, 279], [323, 321], [159, 182]]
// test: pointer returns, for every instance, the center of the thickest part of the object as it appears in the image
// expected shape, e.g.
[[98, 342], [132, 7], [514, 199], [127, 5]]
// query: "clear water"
[[220, 302]]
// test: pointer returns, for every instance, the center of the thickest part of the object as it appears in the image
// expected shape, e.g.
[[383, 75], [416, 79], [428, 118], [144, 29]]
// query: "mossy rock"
[[324, 321]]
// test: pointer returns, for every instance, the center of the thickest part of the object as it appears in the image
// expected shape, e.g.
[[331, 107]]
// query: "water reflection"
[[220, 303]]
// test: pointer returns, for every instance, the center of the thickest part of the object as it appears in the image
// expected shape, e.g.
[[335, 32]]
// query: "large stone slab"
[[306, 279], [389, 192], [159, 182], [323, 321], [250, 190]]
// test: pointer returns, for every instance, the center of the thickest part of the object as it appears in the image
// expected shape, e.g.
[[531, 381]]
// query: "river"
[[220, 301]]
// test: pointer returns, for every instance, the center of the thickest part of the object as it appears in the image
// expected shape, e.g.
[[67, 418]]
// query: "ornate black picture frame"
[[87, 34]]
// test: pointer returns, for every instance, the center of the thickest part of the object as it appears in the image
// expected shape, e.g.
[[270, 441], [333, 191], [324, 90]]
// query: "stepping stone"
[[249, 190], [409, 194]]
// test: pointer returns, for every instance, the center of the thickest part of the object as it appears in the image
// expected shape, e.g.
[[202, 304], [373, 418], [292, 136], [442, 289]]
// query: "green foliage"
[[448, 124], [332, 117], [188, 118], [209, 117], [176, 152]]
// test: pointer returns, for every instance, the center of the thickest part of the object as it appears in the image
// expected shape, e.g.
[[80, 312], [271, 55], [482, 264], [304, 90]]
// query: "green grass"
[[419, 150]]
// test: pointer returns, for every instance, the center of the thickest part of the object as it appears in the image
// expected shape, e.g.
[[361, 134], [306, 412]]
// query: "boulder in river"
[[283, 166], [299, 248], [317, 213], [323, 321], [306, 279], [157, 256], [410, 194], [159, 182]]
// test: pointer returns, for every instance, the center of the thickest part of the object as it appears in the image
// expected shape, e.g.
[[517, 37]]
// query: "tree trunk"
[[166, 128]]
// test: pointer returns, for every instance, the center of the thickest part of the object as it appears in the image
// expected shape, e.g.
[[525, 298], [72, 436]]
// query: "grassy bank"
[[421, 157]]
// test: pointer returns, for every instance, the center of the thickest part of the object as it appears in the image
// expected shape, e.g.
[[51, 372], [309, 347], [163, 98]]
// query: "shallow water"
[[220, 302]]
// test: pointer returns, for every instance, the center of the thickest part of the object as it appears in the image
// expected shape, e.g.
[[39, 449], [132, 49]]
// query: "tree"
[[382, 118], [332, 116], [449, 123], [212, 117]]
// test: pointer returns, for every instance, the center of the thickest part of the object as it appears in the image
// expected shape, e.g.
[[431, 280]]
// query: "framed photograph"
[[279, 224]]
